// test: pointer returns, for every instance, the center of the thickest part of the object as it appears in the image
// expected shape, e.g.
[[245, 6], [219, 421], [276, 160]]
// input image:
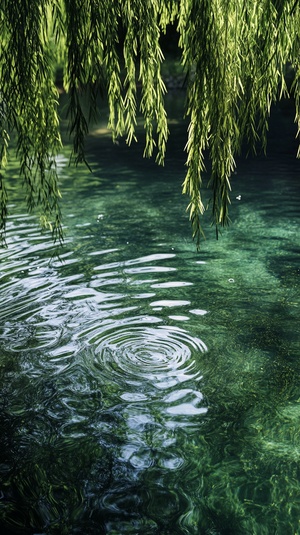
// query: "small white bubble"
[[230, 280]]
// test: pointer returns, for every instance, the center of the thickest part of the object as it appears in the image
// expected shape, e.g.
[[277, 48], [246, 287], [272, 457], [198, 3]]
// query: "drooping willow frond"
[[234, 52], [29, 105]]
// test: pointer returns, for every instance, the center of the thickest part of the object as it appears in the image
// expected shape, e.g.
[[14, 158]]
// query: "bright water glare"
[[147, 388]]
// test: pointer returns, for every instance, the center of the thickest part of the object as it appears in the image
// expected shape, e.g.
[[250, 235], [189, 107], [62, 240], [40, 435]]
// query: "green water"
[[147, 388]]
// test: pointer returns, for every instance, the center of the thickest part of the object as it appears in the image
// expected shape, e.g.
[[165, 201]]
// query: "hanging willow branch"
[[234, 52]]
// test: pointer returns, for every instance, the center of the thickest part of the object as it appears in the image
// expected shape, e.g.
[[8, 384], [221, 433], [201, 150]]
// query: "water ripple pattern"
[[114, 418], [159, 357], [101, 364]]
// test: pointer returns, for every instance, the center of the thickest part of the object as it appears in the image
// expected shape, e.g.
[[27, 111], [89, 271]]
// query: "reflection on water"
[[145, 388]]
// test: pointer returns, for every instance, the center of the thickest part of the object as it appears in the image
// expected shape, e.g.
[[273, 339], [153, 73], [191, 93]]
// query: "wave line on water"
[[153, 357]]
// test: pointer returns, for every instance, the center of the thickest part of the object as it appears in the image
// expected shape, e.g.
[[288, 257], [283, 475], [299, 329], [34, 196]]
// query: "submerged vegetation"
[[234, 54]]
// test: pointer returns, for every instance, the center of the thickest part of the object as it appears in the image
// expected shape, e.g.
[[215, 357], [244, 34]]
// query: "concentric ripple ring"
[[160, 355]]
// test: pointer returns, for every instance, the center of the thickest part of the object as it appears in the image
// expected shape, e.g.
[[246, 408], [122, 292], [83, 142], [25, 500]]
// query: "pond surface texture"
[[147, 388]]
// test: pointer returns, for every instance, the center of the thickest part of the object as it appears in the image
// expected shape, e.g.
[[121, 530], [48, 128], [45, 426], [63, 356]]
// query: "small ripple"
[[171, 284], [170, 303], [149, 269], [145, 358], [137, 261], [198, 312], [151, 258], [179, 317]]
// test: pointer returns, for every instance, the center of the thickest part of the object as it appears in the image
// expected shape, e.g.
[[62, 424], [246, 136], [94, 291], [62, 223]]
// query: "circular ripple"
[[161, 355]]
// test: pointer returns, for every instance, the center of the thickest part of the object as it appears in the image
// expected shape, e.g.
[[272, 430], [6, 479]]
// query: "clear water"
[[147, 388]]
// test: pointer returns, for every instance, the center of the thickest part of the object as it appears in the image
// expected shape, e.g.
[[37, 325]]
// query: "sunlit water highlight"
[[145, 388]]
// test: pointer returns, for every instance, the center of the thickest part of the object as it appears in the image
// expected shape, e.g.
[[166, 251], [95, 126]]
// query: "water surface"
[[147, 388]]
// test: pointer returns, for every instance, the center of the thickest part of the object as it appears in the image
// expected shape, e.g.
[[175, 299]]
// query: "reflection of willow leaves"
[[41, 497], [234, 53]]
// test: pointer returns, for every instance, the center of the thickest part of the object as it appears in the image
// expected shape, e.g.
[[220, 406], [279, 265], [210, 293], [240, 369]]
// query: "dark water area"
[[147, 388]]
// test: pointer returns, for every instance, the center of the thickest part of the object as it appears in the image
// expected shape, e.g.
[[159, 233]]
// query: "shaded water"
[[146, 388]]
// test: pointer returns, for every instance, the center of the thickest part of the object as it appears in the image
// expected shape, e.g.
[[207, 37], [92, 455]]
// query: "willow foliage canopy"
[[234, 53]]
